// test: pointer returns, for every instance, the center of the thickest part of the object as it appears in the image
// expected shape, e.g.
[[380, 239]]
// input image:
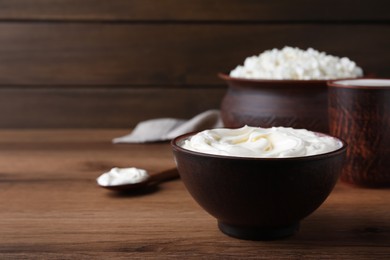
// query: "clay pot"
[[267, 103], [360, 114]]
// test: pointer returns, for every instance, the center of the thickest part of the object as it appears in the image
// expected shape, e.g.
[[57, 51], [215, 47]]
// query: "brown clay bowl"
[[267, 103], [360, 114], [258, 198]]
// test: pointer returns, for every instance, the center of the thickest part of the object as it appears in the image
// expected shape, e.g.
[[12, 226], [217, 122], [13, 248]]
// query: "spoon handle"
[[164, 175]]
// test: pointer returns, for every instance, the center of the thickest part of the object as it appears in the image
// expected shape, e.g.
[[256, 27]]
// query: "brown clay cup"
[[267, 103], [359, 113], [258, 198]]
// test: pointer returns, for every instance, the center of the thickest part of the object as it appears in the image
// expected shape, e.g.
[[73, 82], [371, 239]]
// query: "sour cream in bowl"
[[259, 183], [275, 142]]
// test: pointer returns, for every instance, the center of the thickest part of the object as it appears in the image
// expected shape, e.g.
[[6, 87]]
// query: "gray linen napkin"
[[164, 129]]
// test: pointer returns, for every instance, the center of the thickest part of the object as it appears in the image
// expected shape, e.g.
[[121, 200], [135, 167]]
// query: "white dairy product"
[[275, 142], [120, 176], [296, 64]]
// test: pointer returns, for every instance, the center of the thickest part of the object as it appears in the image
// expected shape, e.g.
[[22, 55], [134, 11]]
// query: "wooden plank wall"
[[99, 63]]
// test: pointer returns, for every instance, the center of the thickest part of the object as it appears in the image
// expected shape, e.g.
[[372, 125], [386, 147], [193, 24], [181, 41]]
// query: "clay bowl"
[[267, 103], [258, 198], [359, 113]]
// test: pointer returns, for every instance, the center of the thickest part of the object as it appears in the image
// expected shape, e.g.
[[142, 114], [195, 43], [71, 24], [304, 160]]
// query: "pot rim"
[[335, 84], [226, 77]]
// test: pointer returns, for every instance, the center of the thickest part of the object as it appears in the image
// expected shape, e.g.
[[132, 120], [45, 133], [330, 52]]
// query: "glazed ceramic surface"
[[361, 116], [254, 198]]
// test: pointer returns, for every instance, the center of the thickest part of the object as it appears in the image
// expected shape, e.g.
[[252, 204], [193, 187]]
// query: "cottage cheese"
[[296, 64], [275, 142]]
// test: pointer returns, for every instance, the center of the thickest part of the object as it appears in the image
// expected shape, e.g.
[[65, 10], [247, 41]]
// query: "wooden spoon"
[[153, 179]]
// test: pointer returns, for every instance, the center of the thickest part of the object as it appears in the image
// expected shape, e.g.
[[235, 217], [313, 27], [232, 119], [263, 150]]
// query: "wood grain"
[[195, 10], [172, 54], [86, 107], [50, 207], [53, 45]]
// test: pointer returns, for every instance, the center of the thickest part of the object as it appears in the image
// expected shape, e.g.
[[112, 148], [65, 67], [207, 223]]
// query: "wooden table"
[[51, 207]]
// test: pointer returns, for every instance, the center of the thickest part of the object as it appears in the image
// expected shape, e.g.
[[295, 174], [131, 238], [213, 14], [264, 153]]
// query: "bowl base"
[[253, 233]]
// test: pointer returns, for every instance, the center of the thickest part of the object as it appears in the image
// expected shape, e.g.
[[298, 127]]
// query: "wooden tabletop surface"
[[51, 207]]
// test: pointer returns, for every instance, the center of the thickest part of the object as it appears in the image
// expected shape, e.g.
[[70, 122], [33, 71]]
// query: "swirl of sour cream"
[[275, 142]]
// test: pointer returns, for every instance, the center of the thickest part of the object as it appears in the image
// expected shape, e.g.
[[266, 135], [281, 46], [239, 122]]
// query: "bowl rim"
[[176, 147], [334, 84], [225, 76]]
